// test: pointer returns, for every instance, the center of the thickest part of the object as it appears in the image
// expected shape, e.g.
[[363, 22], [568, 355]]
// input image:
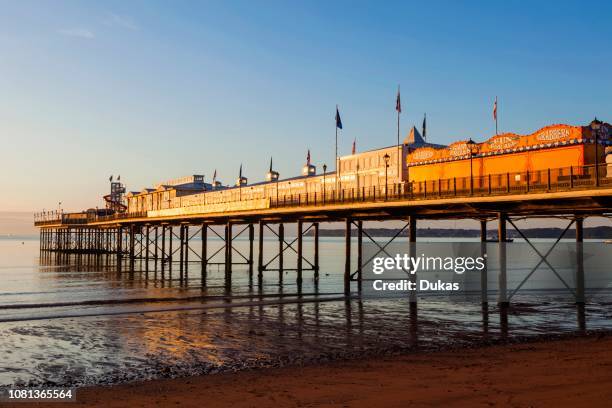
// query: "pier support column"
[[204, 253], [359, 255], [163, 245], [483, 253], [281, 248], [260, 252], [251, 239], [579, 261], [412, 236], [502, 297], [228, 250], [132, 245], [186, 252], [300, 247], [316, 252], [146, 248], [155, 254], [181, 250], [119, 243], [347, 257], [171, 233], [131, 241]]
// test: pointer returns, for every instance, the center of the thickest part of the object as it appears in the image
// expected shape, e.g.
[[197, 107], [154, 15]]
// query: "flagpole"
[[399, 152], [337, 170], [496, 116]]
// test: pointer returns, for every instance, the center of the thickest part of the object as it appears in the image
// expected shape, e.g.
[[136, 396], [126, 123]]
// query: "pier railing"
[[510, 183], [500, 184]]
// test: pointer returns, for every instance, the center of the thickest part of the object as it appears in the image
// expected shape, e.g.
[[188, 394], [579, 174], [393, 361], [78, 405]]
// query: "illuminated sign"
[[553, 134], [459, 149], [503, 142]]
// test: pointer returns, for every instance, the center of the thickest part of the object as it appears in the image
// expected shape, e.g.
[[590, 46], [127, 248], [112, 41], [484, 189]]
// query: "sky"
[[156, 90]]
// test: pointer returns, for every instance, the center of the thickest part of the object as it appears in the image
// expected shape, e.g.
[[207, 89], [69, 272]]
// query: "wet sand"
[[570, 372]]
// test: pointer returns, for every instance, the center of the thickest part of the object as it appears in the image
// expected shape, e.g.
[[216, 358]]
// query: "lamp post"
[[472, 147], [386, 158], [324, 171]]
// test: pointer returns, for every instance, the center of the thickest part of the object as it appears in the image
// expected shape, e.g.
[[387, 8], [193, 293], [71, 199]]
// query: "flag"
[[338, 120], [240, 172], [308, 158], [398, 102], [215, 176], [354, 146], [270, 165], [425, 127], [119, 177], [495, 109], [110, 179]]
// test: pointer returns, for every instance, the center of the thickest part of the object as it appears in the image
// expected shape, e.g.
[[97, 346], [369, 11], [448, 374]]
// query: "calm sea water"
[[86, 320]]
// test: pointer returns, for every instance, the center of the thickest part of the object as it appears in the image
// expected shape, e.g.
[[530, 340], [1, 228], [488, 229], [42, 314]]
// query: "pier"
[[168, 236]]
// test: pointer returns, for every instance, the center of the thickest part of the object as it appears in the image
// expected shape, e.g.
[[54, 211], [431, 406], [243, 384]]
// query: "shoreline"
[[567, 371]]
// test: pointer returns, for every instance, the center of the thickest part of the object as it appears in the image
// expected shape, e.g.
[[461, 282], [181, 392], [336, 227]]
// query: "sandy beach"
[[570, 372]]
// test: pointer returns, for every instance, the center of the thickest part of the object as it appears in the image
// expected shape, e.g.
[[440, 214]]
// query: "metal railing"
[[49, 217], [510, 183]]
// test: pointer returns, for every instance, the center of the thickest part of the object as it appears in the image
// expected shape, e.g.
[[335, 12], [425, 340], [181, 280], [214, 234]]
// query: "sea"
[[77, 320]]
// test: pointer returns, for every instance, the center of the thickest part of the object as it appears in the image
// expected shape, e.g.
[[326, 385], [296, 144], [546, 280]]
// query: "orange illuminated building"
[[511, 157]]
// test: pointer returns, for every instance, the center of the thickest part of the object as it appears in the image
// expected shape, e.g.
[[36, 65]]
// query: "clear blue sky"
[[156, 90]]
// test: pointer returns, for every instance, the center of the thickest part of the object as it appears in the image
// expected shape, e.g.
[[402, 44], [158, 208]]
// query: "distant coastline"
[[601, 232]]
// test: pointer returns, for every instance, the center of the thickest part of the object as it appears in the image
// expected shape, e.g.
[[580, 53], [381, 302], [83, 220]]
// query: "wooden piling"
[[347, 257], [181, 250], [580, 298], [163, 248], [483, 253], [300, 247], [281, 246], [228, 249], [146, 248], [155, 254], [251, 239], [204, 253], [132, 242], [412, 236], [316, 252], [359, 254], [260, 252], [171, 232], [502, 297]]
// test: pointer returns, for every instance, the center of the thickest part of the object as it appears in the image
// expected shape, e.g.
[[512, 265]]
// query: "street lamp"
[[324, 171], [386, 158], [473, 148]]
